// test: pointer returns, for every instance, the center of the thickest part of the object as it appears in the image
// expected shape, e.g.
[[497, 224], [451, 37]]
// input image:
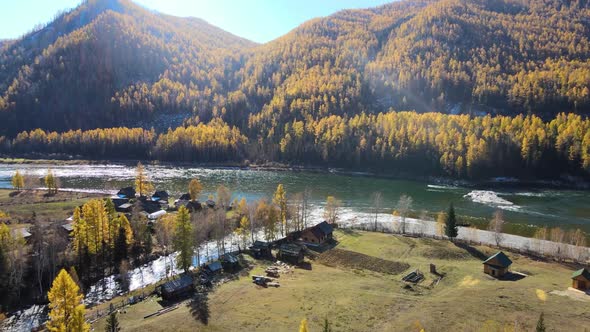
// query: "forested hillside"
[[110, 62], [324, 93]]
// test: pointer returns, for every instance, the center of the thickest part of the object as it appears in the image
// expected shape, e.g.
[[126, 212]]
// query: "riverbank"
[[559, 182]]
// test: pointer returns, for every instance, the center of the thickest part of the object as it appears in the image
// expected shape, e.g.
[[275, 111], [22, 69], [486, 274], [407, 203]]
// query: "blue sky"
[[257, 20]]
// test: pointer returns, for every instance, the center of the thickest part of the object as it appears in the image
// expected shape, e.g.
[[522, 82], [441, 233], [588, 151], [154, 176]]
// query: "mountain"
[[83, 69], [113, 63]]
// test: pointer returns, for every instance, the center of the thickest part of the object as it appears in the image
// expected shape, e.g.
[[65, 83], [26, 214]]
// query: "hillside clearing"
[[363, 300]]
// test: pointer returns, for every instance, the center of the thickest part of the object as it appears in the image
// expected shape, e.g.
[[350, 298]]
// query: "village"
[[319, 272]]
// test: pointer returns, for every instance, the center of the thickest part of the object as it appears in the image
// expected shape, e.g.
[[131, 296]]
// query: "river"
[[521, 205]]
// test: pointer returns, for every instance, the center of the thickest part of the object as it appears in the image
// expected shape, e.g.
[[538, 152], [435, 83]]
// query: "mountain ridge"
[[120, 63]]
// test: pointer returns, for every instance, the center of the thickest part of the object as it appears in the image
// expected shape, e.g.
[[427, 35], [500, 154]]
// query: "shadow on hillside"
[[199, 307], [471, 250], [512, 277], [349, 232]]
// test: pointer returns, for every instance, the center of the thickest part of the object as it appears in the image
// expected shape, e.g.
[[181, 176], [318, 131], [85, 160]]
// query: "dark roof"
[[229, 258], [160, 195], [210, 203], [290, 249], [581, 272], [499, 259], [194, 206], [213, 266], [128, 192], [185, 197], [150, 206], [185, 281], [118, 201], [322, 229], [261, 245]]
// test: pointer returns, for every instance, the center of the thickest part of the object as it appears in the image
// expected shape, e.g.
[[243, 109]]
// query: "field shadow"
[[349, 232], [471, 250], [304, 266], [199, 307], [510, 276]]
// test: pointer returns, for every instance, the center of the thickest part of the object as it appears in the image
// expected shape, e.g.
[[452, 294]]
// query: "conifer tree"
[[120, 250], [280, 200], [451, 229], [183, 239], [195, 188], [65, 304], [112, 323], [50, 182], [18, 181], [143, 186]]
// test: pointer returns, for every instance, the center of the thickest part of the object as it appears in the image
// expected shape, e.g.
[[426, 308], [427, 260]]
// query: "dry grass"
[[364, 300], [355, 260]]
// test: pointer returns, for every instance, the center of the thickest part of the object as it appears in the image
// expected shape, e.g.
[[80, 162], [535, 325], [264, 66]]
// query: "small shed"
[[318, 234], [185, 197], [497, 265], [127, 192], [210, 203], [581, 280], [68, 228], [22, 232], [118, 201], [230, 262], [213, 268], [124, 208], [261, 249], [177, 288], [160, 195], [291, 253]]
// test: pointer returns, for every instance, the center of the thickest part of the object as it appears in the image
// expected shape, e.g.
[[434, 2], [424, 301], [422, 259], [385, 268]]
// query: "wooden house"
[[291, 253], [581, 280], [261, 249], [497, 265], [318, 234], [178, 288], [68, 228]]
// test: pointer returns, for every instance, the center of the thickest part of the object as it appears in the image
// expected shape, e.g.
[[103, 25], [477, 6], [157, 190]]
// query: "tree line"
[[460, 146]]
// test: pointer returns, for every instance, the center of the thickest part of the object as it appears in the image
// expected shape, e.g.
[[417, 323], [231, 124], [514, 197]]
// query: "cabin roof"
[[185, 197], [498, 259], [181, 283], [229, 258], [68, 227], [320, 230], [213, 266], [22, 232], [581, 272], [160, 193], [261, 245], [128, 192], [290, 249]]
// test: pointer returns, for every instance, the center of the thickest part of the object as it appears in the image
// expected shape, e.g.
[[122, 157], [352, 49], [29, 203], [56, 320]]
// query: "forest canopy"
[[430, 143]]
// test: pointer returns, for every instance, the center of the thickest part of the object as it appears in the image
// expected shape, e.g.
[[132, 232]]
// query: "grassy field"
[[362, 300], [21, 206]]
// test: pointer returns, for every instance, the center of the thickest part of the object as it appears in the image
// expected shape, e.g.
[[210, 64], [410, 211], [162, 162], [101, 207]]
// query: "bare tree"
[[377, 201], [39, 254], [306, 206], [332, 209], [497, 226], [404, 204]]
